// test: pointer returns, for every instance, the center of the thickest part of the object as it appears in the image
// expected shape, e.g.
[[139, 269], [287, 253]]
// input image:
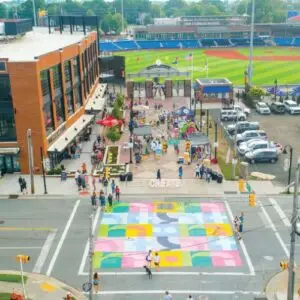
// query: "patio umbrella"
[[140, 107], [278, 91], [109, 122]]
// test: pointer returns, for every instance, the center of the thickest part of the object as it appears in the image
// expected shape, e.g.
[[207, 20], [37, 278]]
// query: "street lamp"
[[201, 103], [275, 88], [290, 163]]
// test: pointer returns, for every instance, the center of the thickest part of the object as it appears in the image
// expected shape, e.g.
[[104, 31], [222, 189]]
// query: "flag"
[[189, 56]]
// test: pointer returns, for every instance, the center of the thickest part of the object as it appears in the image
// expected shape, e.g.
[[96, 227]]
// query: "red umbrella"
[[110, 122]]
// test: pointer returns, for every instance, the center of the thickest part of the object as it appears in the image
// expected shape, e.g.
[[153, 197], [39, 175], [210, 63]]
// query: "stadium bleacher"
[[296, 42], [149, 44], [108, 47], [172, 44], [223, 42], [127, 45], [208, 43], [283, 41], [240, 41]]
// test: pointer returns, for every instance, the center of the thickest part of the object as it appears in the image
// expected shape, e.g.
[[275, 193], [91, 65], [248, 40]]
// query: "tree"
[[210, 10], [120, 100], [90, 13], [174, 5], [147, 20], [113, 134], [3, 11], [157, 11]]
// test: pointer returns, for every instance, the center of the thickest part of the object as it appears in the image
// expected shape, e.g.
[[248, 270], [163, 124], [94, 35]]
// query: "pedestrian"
[[241, 219], [201, 171], [208, 176], [158, 175], [94, 201], [167, 296], [105, 184], [102, 200], [83, 167], [190, 297], [197, 169], [180, 172], [24, 186], [117, 190], [110, 200], [113, 186], [83, 182], [93, 183], [156, 261], [77, 174], [20, 180], [236, 225], [149, 258], [96, 282]]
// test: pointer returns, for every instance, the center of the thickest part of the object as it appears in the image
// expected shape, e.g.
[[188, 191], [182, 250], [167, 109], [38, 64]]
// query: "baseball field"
[[270, 63]]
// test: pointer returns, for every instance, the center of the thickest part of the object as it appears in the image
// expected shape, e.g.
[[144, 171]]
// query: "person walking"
[[102, 200], [197, 170], [113, 186], [241, 219], [105, 184], [149, 258], [77, 174], [93, 183], [83, 182], [168, 296], [110, 200], [24, 186], [96, 282], [158, 175], [180, 172], [94, 200], [156, 260], [117, 190], [20, 180]]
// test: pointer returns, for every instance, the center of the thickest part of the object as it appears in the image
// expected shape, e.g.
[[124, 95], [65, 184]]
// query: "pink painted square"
[[212, 207], [109, 245], [134, 259], [194, 243], [140, 207], [226, 259]]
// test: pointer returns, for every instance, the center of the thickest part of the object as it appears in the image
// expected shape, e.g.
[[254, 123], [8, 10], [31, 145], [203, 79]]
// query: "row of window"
[[7, 127], [73, 84]]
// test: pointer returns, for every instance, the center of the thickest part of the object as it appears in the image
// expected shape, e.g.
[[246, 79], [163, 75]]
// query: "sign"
[[286, 165], [234, 161], [86, 287], [173, 142], [46, 163], [216, 144]]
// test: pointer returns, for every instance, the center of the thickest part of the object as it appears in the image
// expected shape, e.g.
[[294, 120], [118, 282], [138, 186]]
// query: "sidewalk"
[[40, 287], [276, 288]]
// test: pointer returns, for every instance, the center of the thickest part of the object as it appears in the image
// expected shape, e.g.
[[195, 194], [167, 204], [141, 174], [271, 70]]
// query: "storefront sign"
[[173, 142], [55, 135]]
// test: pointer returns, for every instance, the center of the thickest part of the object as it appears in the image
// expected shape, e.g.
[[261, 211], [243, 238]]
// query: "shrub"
[[113, 134]]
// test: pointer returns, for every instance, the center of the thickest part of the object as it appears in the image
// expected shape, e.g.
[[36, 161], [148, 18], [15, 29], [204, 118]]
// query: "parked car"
[[250, 135], [277, 108], [252, 145], [241, 127], [262, 108], [238, 109], [232, 115], [261, 155], [291, 107]]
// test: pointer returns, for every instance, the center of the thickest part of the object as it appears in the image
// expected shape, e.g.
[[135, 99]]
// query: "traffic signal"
[[284, 265], [187, 146], [164, 147], [252, 200], [241, 185], [107, 173], [23, 258]]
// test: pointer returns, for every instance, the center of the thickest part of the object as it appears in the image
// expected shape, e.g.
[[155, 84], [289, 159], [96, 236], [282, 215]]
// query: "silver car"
[[253, 145], [250, 135], [262, 108]]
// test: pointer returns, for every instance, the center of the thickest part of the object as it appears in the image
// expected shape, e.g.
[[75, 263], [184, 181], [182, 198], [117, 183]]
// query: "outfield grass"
[[286, 72]]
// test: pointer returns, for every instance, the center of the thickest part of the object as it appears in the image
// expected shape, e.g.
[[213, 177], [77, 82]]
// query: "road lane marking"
[[44, 253], [164, 273], [16, 248], [25, 229], [280, 212], [274, 229], [86, 249], [241, 242], [62, 239], [178, 292]]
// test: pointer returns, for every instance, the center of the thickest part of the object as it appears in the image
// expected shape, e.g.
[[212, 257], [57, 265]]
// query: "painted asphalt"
[[55, 232]]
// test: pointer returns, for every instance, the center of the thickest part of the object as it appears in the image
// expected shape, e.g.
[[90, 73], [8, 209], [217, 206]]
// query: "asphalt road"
[[55, 232]]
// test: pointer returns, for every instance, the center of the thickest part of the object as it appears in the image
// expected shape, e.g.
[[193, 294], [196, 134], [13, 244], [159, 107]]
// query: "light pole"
[[275, 88], [122, 11], [201, 103], [34, 13], [30, 159], [250, 67], [295, 230], [43, 169], [290, 163]]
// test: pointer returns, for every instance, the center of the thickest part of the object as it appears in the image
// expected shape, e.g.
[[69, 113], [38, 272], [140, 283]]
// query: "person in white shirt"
[[190, 297], [167, 296], [156, 260]]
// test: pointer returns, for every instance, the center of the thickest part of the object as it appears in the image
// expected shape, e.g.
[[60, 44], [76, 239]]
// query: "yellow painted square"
[[165, 207], [171, 258], [218, 230], [141, 230]]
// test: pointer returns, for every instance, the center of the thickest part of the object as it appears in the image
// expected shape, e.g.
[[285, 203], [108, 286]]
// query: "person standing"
[[110, 200], [94, 201], [96, 282], [113, 186], [156, 260], [158, 175], [241, 219], [102, 200], [168, 296], [180, 172], [117, 190], [197, 169], [20, 180], [149, 258]]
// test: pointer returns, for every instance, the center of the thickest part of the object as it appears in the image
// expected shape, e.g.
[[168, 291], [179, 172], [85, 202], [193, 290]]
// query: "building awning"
[[199, 139], [217, 89], [143, 130], [10, 150], [70, 134], [97, 100]]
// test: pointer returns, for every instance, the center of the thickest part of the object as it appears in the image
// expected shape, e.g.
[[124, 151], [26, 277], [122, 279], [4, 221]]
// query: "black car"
[[277, 108]]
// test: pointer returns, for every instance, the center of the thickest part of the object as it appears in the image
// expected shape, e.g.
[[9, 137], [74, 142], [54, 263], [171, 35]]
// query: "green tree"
[[210, 10], [90, 13], [157, 11], [194, 9], [117, 112], [174, 5], [113, 134], [3, 11], [120, 100]]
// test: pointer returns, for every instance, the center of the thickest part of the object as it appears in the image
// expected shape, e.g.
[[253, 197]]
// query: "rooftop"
[[36, 43], [214, 81]]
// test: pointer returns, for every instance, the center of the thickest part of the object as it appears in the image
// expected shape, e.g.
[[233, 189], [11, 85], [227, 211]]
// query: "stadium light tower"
[[250, 66]]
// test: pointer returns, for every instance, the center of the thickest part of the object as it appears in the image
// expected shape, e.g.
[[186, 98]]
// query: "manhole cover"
[[2, 222]]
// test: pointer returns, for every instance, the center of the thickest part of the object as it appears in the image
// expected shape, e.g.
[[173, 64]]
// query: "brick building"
[[46, 82]]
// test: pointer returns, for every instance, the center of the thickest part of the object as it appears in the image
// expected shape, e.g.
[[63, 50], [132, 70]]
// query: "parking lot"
[[283, 129]]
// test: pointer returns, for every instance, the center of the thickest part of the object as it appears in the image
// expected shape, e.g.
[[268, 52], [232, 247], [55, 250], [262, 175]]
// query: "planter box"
[[107, 151]]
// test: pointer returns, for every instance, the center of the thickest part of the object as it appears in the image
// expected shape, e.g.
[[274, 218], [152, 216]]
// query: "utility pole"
[[34, 13], [250, 70], [291, 282], [43, 169], [91, 254], [233, 162], [122, 12], [30, 159]]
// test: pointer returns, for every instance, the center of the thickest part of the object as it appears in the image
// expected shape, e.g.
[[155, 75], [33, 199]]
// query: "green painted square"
[[116, 231], [201, 259], [183, 230], [121, 208], [103, 230], [107, 260], [192, 208], [186, 259], [196, 230]]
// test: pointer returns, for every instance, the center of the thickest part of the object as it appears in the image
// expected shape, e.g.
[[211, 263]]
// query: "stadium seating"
[[172, 44], [190, 44], [208, 43], [149, 44], [223, 42], [108, 47], [127, 45], [283, 41], [240, 41], [258, 42], [296, 42]]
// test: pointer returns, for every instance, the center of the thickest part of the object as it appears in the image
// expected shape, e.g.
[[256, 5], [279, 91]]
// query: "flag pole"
[[192, 67], [206, 68]]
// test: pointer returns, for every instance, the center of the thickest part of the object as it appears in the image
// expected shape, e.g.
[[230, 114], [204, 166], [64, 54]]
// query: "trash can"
[[129, 176], [220, 178], [122, 177]]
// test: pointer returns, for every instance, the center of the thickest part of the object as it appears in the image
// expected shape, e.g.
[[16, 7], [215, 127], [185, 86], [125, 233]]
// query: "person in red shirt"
[[117, 191]]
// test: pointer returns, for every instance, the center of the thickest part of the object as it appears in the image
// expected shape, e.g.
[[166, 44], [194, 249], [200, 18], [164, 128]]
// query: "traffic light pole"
[[291, 282], [22, 278], [91, 254]]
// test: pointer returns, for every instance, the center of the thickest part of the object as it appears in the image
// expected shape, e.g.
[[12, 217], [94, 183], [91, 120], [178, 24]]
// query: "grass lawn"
[[5, 296], [286, 72], [12, 278]]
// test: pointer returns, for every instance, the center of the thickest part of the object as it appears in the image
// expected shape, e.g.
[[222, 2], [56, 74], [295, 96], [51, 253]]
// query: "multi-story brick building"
[[46, 81]]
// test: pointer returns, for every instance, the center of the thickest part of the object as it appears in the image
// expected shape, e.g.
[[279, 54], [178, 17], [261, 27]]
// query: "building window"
[[76, 66], [7, 127], [60, 109], [45, 82], [78, 97], [68, 73], [57, 79], [70, 103], [48, 114], [2, 66]]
